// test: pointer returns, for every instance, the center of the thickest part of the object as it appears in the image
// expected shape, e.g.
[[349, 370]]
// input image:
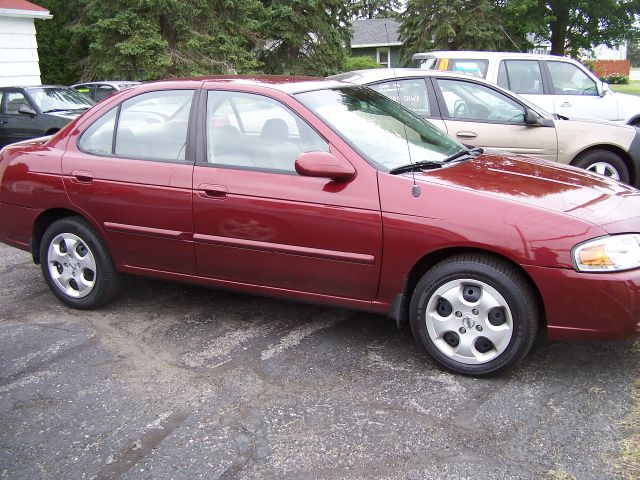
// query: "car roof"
[[108, 82], [362, 77], [285, 84], [477, 54]]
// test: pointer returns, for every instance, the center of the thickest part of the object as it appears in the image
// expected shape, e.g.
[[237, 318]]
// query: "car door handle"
[[565, 104], [465, 134], [3, 123], [82, 176], [213, 191]]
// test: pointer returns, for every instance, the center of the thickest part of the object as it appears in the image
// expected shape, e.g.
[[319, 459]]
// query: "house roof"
[[372, 33], [22, 8]]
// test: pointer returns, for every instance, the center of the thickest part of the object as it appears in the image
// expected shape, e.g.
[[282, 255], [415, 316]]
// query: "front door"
[[15, 126], [257, 222], [478, 115], [129, 172], [576, 94]]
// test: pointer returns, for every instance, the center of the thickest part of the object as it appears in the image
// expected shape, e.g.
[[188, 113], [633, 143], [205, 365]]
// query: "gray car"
[[100, 90], [29, 112]]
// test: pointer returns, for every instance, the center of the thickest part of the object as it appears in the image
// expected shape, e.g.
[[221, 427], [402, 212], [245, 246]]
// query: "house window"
[[383, 57]]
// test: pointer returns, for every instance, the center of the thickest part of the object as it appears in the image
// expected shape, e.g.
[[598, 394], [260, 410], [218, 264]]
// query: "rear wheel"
[[606, 163], [474, 314], [76, 265]]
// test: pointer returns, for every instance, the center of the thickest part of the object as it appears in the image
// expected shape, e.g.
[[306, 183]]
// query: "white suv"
[[557, 84]]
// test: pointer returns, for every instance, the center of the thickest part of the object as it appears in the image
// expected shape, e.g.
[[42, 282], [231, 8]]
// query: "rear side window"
[[98, 138], [104, 91], [521, 76], [476, 67], [411, 93], [150, 126]]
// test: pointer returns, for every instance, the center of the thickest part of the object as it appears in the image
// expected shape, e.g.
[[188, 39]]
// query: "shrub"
[[615, 79], [359, 63]]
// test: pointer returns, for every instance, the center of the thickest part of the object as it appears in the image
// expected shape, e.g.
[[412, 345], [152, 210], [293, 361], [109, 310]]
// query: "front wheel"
[[76, 265], [606, 163], [474, 314]]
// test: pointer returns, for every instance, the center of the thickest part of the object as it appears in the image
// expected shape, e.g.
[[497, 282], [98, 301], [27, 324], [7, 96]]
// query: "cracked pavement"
[[176, 381]]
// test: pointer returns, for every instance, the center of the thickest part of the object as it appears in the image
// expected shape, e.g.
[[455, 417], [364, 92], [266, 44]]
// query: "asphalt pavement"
[[182, 382]]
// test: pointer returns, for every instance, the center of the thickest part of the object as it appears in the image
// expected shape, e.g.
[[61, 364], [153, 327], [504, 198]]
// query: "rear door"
[[257, 222], [479, 115], [131, 171]]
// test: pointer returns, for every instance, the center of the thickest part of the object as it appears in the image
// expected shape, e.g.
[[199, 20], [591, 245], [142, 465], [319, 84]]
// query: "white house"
[[18, 47]]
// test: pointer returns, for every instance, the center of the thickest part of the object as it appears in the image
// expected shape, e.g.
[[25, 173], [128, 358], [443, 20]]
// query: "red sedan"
[[332, 193]]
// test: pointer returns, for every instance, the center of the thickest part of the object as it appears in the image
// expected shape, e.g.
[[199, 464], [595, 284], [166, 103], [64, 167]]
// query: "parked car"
[[28, 112], [557, 84], [481, 114], [100, 90], [332, 193]]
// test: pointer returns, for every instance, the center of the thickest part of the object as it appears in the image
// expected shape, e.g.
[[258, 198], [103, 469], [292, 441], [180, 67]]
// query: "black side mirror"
[[532, 119], [27, 110]]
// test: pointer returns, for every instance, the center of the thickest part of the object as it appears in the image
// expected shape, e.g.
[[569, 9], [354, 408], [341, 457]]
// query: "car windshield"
[[381, 130], [59, 99]]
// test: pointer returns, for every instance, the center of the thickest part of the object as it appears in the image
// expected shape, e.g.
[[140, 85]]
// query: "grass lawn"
[[633, 87]]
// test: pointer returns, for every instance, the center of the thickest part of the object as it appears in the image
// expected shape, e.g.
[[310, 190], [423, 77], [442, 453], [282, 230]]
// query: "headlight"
[[608, 254]]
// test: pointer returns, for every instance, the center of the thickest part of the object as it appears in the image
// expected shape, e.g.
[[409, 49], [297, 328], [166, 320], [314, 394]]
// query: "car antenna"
[[514, 43], [415, 189]]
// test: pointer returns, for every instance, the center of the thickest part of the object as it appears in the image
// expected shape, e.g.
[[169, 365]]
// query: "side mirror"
[[532, 119], [324, 165], [27, 110], [603, 88]]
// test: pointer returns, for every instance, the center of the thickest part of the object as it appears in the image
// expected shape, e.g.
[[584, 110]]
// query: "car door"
[[414, 94], [527, 79], [130, 172], [16, 126], [575, 93], [482, 116], [257, 222]]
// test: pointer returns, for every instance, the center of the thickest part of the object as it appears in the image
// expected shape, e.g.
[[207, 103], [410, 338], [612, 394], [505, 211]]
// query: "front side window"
[[13, 102], [412, 93], [471, 101], [568, 79], [254, 131], [150, 126], [521, 76], [386, 134]]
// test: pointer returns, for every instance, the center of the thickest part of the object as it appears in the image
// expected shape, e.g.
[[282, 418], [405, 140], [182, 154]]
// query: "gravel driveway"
[[174, 381]]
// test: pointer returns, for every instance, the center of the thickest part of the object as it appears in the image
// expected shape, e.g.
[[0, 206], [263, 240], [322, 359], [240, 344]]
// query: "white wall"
[[18, 52]]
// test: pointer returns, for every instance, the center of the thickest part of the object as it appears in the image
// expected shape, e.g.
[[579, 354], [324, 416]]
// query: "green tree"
[[456, 25], [571, 25], [147, 39], [303, 37], [374, 8], [633, 53], [60, 52]]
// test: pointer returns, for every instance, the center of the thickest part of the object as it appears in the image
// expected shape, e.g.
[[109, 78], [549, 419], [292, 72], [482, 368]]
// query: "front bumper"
[[589, 306]]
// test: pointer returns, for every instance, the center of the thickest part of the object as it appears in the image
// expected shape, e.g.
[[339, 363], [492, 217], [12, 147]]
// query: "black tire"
[[613, 165], [76, 264], [474, 282]]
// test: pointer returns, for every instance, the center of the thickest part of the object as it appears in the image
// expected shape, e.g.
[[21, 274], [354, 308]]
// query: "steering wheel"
[[460, 110]]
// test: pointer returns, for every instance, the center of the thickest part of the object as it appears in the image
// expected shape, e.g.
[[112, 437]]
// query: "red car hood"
[[606, 203]]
